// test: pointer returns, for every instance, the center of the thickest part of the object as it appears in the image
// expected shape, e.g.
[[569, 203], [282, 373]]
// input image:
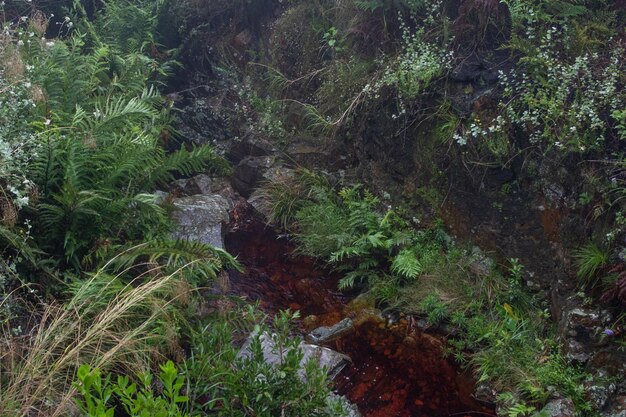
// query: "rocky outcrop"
[[249, 173], [204, 184], [581, 329]]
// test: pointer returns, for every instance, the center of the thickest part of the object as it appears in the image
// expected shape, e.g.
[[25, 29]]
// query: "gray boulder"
[[333, 361], [201, 218]]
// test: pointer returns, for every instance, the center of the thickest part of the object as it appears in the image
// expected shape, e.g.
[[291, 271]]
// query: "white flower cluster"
[[557, 101], [420, 61], [18, 145]]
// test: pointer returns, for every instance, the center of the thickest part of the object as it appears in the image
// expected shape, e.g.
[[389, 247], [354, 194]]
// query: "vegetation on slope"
[[433, 90]]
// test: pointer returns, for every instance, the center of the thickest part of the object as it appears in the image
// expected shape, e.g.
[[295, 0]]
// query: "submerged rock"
[[325, 334], [200, 218]]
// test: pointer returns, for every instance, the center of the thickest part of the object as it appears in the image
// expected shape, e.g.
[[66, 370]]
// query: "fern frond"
[[354, 277], [20, 244], [406, 264], [186, 162], [347, 252], [200, 259]]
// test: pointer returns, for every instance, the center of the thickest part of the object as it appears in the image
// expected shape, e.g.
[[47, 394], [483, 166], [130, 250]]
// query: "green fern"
[[198, 261], [406, 264], [186, 162]]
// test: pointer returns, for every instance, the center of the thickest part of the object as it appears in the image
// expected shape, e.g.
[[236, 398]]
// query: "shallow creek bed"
[[396, 369]]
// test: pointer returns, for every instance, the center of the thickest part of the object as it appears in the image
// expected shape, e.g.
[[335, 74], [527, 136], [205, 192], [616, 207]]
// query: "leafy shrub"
[[223, 380], [97, 155], [98, 393], [354, 237], [420, 61]]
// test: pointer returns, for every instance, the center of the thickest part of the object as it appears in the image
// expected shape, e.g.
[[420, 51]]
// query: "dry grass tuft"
[[106, 324]]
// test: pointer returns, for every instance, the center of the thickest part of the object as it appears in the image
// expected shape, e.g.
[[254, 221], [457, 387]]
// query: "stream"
[[396, 370]]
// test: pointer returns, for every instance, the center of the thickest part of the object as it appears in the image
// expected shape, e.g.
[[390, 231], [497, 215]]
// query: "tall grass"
[[106, 324]]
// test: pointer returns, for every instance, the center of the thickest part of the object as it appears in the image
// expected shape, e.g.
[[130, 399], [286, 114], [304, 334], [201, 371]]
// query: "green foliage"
[[389, 5], [98, 393], [97, 157], [565, 86], [406, 264], [436, 311], [514, 408], [106, 323], [224, 381], [353, 236], [130, 25], [331, 38], [87, 192], [80, 129], [198, 262], [620, 118], [419, 63], [286, 194]]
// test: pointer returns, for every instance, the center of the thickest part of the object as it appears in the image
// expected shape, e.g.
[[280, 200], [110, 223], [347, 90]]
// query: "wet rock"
[[482, 265], [327, 333], [243, 39], [617, 408], [391, 316], [249, 172], [599, 392], [200, 218], [560, 407], [203, 184], [306, 155], [201, 122], [609, 362], [249, 145], [363, 310], [580, 330], [607, 367], [333, 361], [485, 393]]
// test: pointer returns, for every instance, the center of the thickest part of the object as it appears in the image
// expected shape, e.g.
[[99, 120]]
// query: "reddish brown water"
[[396, 371]]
